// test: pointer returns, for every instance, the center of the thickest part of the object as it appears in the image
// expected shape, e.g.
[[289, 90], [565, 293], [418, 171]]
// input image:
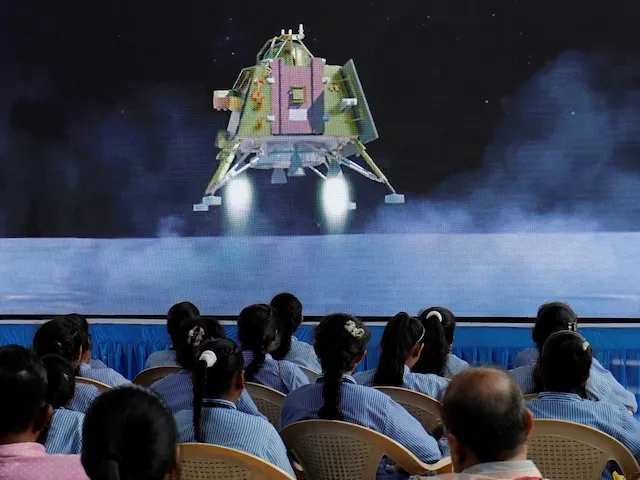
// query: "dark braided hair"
[[61, 336], [175, 316], [257, 329], [565, 363], [289, 311], [216, 380], [401, 336], [191, 334], [61, 385], [436, 345], [338, 350]]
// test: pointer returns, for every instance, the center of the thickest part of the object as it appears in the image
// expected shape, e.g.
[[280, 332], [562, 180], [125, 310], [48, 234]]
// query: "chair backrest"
[[268, 401], [102, 387], [424, 408], [199, 461], [148, 377], [333, 450], [530, 396], [567, 450], [311, 375]]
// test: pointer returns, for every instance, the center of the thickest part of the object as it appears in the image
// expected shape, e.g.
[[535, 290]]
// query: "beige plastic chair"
[[102, 387], [567, 451], [311, 375], [424, 408], [148, 377], [199, 461], [268, 401], [332, 450], [530, 396]]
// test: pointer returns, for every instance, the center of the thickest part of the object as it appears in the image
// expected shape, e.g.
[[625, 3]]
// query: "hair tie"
[[209, 357], [585, 345], [195, 336], [350, 326], [435, 313]]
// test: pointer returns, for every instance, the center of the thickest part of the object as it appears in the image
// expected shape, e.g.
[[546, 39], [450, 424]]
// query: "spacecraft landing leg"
[[394, 197], [226, 157]]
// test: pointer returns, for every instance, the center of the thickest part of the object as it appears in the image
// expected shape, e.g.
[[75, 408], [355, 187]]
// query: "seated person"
[[340, 343], [401, 344], [602, 385], [487, 426], [129, 434], [179, 312], [289, 312], [257, 331], [565, 366], [61, 337], [24, 413], [176, 389], [436, 357], [86, 347], [217, 385], [63, 433]]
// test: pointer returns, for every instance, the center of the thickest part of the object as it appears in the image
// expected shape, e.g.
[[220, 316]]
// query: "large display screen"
[[382, 156]]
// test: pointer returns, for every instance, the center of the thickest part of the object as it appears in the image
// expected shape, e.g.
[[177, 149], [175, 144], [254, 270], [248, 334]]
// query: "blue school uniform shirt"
[[302, 353], [453, 366], [96, 363], [108, 376], [222, 424], [277, 374], [177, 392], [426, 383], [601, 386], [65, 433], [372, 409], [526, 357], [162, 358], [83, 397]]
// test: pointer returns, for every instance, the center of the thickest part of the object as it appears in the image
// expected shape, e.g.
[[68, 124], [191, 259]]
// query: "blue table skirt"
[[125, 347]]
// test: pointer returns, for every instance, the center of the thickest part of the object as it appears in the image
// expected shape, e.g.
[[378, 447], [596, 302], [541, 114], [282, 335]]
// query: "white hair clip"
[[355, 332], [435, 313], [195, 336], [210, 357], [585, 345]]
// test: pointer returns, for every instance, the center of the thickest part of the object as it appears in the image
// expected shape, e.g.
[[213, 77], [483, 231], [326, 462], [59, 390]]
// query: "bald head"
[[484, 410]]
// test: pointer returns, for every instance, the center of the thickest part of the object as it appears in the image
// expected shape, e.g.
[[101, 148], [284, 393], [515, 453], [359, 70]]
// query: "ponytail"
[[332, 385], [401, 335], [436, 347], [289, 317], [199, 382], [257, 332]]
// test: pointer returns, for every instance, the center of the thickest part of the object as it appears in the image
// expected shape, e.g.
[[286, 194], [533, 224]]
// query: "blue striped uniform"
[[302, 353], [96, 363], [162, 358], [372, 409], [177, 391], [601, 386], [83, 397], [426, 383], [526, 357], [65, 433], [224, 425], [453, 366], [277, 374], [108, 376]]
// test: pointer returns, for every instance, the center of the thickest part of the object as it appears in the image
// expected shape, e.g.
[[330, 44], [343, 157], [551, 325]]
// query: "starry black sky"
[[436, 74]]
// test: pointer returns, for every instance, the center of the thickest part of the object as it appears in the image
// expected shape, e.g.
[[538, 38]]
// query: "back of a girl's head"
[[176, 315], [565, 362], [257, 328], [61, 380], [129, 433], [553, 317], [191, 334], [81, 323], [448, 321], [289, 317], [61, 336], [436, 321], [23, 387]]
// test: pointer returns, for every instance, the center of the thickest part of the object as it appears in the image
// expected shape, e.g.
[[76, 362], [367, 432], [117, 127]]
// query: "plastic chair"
[[530, 396], [333, 450], [200, 461], [102, 387], [424, 408], [566, 450], [268, 401], [148, 377], [311, 375]]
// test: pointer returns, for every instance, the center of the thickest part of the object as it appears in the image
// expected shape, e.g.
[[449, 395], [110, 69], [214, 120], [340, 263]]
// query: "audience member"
[[400, 348], [63, 433], [289, 314], [436, 357], [340, 343], [565, 366], [218, 384], [87, 345], [601, 385], [129, 434], [176, 389], [257, 330], [176, 314], [487, 426], [24, 413], [61, 337]]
